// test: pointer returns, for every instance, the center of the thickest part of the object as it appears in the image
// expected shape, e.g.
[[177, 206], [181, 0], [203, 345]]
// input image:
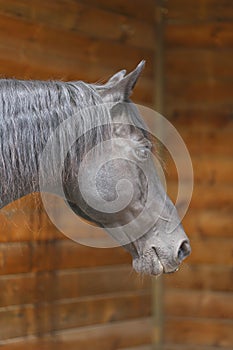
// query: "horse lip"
[[173, 271], [160, 262], [164, 268]]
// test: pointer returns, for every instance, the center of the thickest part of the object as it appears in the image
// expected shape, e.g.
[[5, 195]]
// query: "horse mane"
[[29, 112]]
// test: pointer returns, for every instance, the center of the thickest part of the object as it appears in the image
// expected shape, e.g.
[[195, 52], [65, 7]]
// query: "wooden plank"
[[192, 347], [202, 10], [204, 35], [197, 93], [82, 18], [31, 288], [211, 251], [24, 320], [72, 56], [18, 261], [16, 258], [198, 304], [39, 39], [198, 331], [198, 99], [201, 277], [22, 224], [208, 223], [212, 170], [105, 337], [54, 255], [144, 347], [25, 224], [205, 196], [62, 69], [32, 66], [209, 143], [40, 256], [45, 49], [208, 64], [132, 8], [201, 120], [212, 197]]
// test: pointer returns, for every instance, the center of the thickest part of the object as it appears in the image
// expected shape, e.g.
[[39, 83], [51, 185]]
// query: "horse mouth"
[[162, 270], [166, 270], [150, 264]]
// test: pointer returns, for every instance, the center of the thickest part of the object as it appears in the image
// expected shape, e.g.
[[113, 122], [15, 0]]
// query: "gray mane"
[[29, 112]]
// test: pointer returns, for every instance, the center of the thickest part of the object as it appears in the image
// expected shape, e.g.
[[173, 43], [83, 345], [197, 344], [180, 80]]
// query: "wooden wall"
[[51, 295], [54, 293], [198, 100]]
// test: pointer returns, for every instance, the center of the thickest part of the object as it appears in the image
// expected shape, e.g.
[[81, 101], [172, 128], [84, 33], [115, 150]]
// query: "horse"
[[32, 111]]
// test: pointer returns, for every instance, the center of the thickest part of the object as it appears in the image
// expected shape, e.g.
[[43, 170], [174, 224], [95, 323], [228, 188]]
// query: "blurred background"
[[57, 294]]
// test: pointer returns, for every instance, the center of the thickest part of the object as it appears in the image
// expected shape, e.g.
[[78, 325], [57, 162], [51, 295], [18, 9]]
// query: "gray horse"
[[31, 111]]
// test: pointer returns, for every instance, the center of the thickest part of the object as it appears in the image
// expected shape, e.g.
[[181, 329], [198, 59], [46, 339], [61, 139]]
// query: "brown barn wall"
[[198, 100], [56, 294], [51, 295]]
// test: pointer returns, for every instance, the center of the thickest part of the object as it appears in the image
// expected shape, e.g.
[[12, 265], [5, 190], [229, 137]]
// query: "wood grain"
[[199, 331], [203, 223], [206, 35], [211, 251], [204, 63], [199, 86], [82, 18], [202, 10], [41, 256], [208, 169], [52, 286], [202, 277], [18, 34], [47, 284], [199, 119], [129, 8], [212, 196], [198, 93], [198, 304], [193, 347], [120, 335], [24, 320]]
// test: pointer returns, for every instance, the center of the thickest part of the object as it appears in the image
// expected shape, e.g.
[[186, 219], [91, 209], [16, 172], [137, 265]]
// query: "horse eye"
[[143, 152]]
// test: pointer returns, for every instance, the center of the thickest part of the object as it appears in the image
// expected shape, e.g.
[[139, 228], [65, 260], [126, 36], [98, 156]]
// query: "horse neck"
[[29, 113], [23, 137], [18, 180]]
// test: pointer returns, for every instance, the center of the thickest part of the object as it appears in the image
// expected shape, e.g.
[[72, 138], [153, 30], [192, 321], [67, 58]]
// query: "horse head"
[[120, 190]]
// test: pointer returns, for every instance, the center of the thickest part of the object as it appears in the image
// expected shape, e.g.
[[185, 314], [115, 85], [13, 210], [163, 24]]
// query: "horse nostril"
[[184, 250]]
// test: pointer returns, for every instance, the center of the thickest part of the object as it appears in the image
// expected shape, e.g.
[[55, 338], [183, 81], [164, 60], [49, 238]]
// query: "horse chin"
[[148, 264]]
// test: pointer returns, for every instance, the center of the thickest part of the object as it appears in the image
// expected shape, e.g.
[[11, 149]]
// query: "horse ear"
[[122, 86], [117, 77]]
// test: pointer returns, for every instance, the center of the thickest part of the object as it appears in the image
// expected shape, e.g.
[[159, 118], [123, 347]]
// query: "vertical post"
[[157, 284], [160, 11]]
